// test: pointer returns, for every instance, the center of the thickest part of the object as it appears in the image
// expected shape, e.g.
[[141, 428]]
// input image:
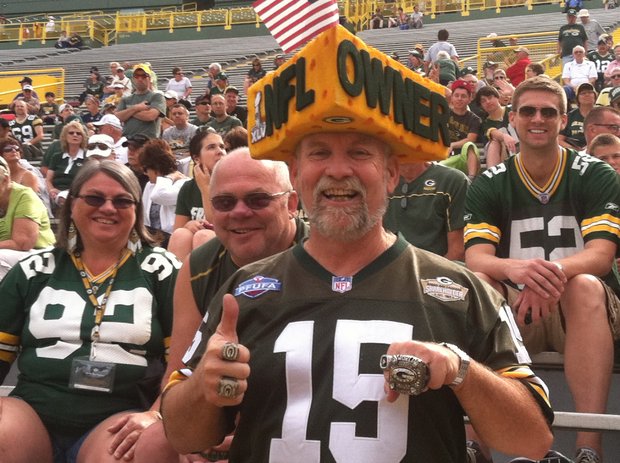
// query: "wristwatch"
[[463, 366]]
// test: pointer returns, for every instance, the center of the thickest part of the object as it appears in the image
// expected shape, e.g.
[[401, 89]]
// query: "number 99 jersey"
[[316, 391]]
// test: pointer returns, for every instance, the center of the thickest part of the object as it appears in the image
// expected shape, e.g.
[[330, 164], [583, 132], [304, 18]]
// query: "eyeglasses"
[[255, 201], [530, 111], [98, 146], [140, 76], [10, 148], [202, 103], [611, 127], [75, 133], [98, 201]]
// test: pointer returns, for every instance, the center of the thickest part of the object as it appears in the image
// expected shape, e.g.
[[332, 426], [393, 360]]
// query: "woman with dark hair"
[[161, 192], [191, 224], [90, 320], [94, 85], [254, 74], [182, 85], [533, 70], [237, 137]]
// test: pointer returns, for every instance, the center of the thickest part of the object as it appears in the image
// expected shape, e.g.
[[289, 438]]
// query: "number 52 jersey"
[[316, 392]]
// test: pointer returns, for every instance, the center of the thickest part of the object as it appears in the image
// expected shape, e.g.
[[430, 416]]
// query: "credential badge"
[[342, 284], [258, 286], [444, 289]]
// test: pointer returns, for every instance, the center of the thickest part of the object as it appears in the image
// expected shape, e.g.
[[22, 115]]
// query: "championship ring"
[[407, 373], [227, 387], [230, 351]]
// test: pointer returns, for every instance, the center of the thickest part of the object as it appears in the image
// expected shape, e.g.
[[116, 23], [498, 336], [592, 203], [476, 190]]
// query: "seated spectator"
[[434, 195], [134, 145], [179, 135], [448, 69], [217, 80], [416, 19], [86, 377], [203, 111], [64, 165], [610, 94], [182, 86], [94, 85], [498, 136], [503, 86], [192, 225], [11, 152], [516, 71], [172, 98], [601, 57], [118, 90], [63, 40], [237, 137], [415, 61], [100, 147], [577, 72], [600, 119], [28, 129], [160, 194], [573, 136], [254, 74], [615, 64], [233, 108], [463, 126], [278, 61], [221, 121], [49, 109], [5, 131], [110, 125], [24, 223], [92, 113], [402, 19], [120, 78], [606, 147], [75, 41], [533, 70], [27, 95]]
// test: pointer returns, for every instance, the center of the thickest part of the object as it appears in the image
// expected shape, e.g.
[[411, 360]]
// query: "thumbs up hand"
[[225, 366]]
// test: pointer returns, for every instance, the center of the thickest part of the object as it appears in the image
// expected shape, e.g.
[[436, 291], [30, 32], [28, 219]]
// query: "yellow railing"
[[542, 47], [44, 80]]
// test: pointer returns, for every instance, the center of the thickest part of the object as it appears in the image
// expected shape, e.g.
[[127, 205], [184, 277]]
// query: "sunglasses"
[[202, 103], [255, 201], [98, 201], [98, 146], [75, 133], [530, 111], [10, 148], [140, 76]]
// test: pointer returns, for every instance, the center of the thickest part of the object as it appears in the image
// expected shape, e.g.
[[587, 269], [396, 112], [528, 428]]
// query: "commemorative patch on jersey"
[[258, 286], [342, 284], [444, 289]]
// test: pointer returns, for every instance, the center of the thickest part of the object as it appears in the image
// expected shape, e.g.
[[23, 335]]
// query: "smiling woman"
[[101, 352]]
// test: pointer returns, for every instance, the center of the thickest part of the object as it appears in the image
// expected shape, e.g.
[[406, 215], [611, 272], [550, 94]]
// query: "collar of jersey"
[[554, 180]]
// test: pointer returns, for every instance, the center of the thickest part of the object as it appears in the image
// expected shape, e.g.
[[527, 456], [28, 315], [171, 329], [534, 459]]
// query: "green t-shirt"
[[189, 201], [25, 204], [134, 126]]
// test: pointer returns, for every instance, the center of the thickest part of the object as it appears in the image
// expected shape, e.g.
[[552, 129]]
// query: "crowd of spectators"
[[158, 167]]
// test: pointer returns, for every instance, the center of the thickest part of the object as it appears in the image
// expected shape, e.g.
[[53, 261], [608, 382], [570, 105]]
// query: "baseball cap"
[[145, 67], [279, 56], [489, 64], [232, 89], [583, 13], [27, 87], [120, 68], [584, 87], [97, 145], [171, 95], [523, 49], [118, 85], [614, 94], [25, 79], [467, 70], [64, 106], [492, 35], [460, 83], [137, 139], [416, 53], [221, 76], [601, 40], [419, 47], [571, 12], [109, 119]]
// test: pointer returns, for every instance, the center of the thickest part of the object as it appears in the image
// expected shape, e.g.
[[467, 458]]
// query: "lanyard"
[[92, 294]]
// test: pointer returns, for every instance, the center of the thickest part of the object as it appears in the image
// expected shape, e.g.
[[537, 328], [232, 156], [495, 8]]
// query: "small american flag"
[[295, 22]]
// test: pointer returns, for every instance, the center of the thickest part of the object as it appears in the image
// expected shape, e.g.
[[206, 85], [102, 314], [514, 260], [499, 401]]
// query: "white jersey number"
[[350, 388]]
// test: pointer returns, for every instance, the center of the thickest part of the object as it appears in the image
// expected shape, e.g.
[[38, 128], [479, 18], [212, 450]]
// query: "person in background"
[[533, 70], [89, 380], [24, 223], [11, 152], [233, 108], [592, 27], [203, 111], [100, 147], [49, 109], [134, 145], [182, 86], [28, 129], [601, 57], [255, 73], [237, 137], [92, 113], [516, 72], [192, 223], [606, 147], [573, 136], [161, 192]]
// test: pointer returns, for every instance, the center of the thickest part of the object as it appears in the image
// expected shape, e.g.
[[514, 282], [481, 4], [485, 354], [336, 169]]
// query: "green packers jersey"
[[210, 266], [504, 207], [24, 131], [316, 391], [47, 313], [426, 209]]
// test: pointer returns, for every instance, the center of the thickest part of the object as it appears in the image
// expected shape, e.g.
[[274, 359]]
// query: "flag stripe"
[[294, 22]]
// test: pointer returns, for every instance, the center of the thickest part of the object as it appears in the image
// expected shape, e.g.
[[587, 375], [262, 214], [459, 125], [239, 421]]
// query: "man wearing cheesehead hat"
[[353, 346]]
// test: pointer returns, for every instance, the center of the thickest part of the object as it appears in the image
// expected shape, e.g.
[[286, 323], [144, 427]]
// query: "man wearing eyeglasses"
[[203, 111], [120, 78], [577, 72], [543, 228], [141, 112], [601, 119]]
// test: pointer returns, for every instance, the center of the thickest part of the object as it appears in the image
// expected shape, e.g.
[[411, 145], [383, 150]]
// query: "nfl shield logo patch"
[[342, 284], [258, 286]]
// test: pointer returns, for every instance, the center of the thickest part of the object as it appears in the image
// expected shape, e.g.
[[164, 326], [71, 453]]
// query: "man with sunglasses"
[[543, 228], [297, 346], [577, 72], [203, 111], [141, 112]]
